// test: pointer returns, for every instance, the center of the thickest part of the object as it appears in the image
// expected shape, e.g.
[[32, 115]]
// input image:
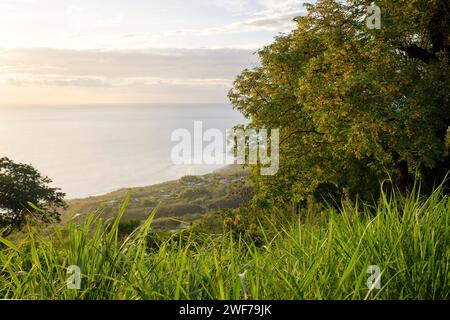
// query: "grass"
[[406, 237]]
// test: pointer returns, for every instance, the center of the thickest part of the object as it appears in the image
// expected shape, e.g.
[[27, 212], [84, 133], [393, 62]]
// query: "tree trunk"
[[403, 179]]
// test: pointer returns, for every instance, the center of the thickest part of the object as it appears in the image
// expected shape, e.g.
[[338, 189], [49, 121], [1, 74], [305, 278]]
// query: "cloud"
[[235, 7], [64, 81], [158, 63], [275, 16], [59, 81], [281, 22], [138, 76], [110, 21]]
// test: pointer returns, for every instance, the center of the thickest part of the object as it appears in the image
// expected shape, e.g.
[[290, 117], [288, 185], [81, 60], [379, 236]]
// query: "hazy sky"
[[132, 51]]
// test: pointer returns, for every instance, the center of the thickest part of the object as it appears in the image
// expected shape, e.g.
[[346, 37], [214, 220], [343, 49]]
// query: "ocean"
[[95, 149]]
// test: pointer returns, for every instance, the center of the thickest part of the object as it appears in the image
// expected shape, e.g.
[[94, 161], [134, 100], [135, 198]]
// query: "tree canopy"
[[354, 105], [22, 190]]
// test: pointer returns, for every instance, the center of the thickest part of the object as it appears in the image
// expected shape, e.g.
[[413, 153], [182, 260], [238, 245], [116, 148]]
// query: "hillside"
[[180, 201]]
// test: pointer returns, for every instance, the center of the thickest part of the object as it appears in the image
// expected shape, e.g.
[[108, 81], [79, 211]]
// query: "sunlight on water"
[[91, 150]]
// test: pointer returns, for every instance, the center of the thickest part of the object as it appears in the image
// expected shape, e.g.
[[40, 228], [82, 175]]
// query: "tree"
[[354, 105], [20, 186]]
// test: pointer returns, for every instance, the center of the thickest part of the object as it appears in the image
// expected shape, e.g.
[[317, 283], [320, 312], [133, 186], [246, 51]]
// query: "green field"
[[327, 258]]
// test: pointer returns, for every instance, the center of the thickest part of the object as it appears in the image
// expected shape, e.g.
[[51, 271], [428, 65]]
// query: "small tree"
[[20, 186]]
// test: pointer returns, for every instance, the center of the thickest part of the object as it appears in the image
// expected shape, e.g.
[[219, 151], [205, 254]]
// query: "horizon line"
[[109, 104]]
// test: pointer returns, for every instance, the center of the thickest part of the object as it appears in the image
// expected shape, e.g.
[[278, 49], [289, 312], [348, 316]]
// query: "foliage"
[[22, 191], [408, 238], [127, 227], [210, 223], [354, 105]]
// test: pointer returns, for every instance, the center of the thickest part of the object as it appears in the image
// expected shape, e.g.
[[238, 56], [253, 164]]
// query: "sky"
[[132, 51]]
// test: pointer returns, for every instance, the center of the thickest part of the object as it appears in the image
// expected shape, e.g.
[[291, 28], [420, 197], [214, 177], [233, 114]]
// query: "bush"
[[126, 227], [408, 238]]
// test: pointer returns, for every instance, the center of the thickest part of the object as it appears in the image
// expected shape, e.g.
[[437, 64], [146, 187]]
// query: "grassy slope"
[[185, 199], [408, 239]]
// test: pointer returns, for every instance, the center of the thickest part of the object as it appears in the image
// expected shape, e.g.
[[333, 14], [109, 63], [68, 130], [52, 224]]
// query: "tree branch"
[[415, 52]]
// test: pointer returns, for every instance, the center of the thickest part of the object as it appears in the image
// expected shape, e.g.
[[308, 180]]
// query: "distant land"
[[180, 202]]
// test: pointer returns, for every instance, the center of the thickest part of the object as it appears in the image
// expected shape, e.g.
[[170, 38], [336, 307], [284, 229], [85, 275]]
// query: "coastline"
[[188, 197]]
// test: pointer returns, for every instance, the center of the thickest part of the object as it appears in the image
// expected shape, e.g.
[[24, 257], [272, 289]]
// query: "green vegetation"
[[180, 202], [327, 258], [22, 188], [354, 105]]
